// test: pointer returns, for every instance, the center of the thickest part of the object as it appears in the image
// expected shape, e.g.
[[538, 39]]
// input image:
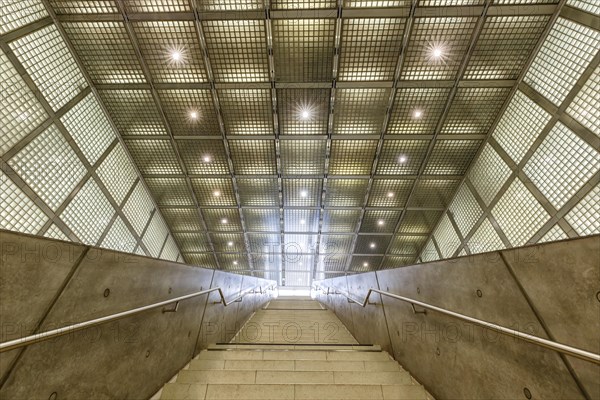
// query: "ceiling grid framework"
[[302, 140]]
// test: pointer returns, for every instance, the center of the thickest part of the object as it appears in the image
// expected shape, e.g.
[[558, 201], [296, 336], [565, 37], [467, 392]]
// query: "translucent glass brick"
[[138, 208], [519, 214], [520, 125], [117, 173], [446, 237], [18, 13], [429, 252], [54, 232], [489, 174], [20, 112], [155, 235], [119, 237], [485, 239], [585, 108], [89, 127], [567, 51], [48, 61], [562, 164], [170, 251], [585, 216], [17, 211], [49, 166], [466, 210], [89, 213], [591, 6], [554, 234]]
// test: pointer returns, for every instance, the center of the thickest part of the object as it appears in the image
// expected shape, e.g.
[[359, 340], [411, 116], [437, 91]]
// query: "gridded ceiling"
[[305, 138]]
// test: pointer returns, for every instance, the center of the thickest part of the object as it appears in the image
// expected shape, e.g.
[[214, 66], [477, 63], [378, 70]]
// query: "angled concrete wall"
[[45, 284], [550, 290]]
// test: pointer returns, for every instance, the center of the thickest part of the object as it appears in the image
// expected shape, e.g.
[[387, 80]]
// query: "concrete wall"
[[549, 290], [45, 284]]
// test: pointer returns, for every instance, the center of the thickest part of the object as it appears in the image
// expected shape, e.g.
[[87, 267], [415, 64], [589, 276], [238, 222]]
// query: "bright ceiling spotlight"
[[177, 55], [390, 194], [216, 193], [437, 52], [229, 244], [235, 263], [207, 159], [303, 193], [418, 113], [366, 264], [193, 114], [305, 111], [224, 221], [402, 159], [302, 221], [372, 245], [380, 222]]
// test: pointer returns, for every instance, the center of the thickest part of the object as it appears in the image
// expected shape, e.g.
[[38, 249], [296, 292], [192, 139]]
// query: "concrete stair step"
[[236, 354], [295, 365], [286, 346]]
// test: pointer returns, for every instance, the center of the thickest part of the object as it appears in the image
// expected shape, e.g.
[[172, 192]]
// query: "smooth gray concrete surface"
[[546, 290], [129, 358]]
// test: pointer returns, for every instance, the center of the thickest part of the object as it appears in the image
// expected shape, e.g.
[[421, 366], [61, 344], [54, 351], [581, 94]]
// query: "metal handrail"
[[40, 337], [549, 344]]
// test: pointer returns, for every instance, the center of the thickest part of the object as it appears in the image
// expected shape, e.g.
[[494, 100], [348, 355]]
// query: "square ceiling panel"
[[360, 111], [302, 4], [302, 192], [134, 112], [345, 192], [352, 157], [193, 242], [332, 245], [303, 111], [258, 192], [106, 51], [237, 50], [228, 242], [396, 262], [154, 157], [261, 220], [370, 48], [430, 193], [297, 220], [365, 263], [160, 41], [182, 219], [157, 6], [448, 36], [190, 111], [419, 221], [401, 157], [268, 245], [84, 6], [169, 191], [303, 49], [214, 192], [253, 157], [247, 111], [340, 220], [204, 157], [379, 221], [417, 111], [407, 244], [389, 192], [222, 220], [452, 157], [372, 244], [303, 157], [231, 5]]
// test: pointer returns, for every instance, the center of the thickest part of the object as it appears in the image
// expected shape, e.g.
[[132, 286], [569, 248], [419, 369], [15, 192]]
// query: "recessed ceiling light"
[[380, 222], [224, 221], [417, 113], [437, 52], [194, 114], [302, 221], [366, 264], [303, 193], [390, 194], [372, 245], [216, 193], [176, 55], [235, 263], [305, 114], [229, 243], [207, 159], [402, 159]]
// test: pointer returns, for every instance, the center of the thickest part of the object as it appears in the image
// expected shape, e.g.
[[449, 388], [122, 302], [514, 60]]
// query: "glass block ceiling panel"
[[302, 192], [406, 244], [584, 216], [49, 166], [519, 214], [379, 221], [345, 192], [554, 234], [156, 6], [84, 6], [267, 244], [303, 157], [133, 112], [561, 165], [169, 191], [395, 262], [452, 157], [590, 6], [170, 251], [106, 51], [303, 49], [88, 226], [389, 192], [261, 220], [473, 110], [154, 156], [20, 112], [370, 48], [451, 36], [520, 125], [489, 174], [228, 242], [159, 41], [258, 192], [17, 211], [365, 263], [193, 242], [247, 111], [237, 50], [302, 4], [566, 52], [430, 193], [430, 253], [402, 157], [485, 239], [419, 221], [214, 191], [182, 219], [117, 173], [138, 208], [465, 209], [206, 157], [119, 237], [48, 61], [504, 46], [155, 235], [254, 157], [332, 245], [222, 220], [340, 220], [416, 111], [376, 3], [352, 157], [54, 232], [18, 13], [585, 108], [446, 237], [360, 111], [303, 111], [89, 127], [230, 5], [190, 111], [301, 220]]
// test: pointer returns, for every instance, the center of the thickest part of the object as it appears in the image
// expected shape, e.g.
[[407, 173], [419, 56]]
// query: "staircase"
[[293, 349]]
